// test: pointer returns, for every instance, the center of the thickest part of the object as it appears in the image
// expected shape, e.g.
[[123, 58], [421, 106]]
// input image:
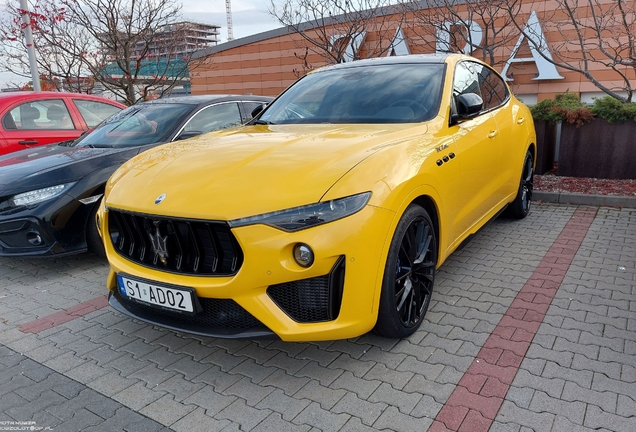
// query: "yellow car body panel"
[[468, 172], [248, 287]]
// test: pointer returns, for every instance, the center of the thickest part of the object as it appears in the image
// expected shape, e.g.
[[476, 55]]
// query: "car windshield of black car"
[[137, 125], [389, 93]]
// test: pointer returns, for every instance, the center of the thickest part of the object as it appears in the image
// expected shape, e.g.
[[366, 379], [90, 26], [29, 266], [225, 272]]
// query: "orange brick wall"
[[268, 66]]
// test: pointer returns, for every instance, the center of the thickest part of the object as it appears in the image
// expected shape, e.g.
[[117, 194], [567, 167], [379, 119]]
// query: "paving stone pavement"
[[69, 362]]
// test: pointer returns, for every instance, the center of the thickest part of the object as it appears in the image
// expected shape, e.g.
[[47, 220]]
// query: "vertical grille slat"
[[177, 236], [119, 241], [197, 249], [144, 244], [186, 246], [216, 247], [131, 236]]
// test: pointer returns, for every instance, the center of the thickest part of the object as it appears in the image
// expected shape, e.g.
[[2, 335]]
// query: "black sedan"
[[49, 194]]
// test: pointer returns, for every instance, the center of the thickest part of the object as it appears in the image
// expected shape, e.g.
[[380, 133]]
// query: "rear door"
[[93, 112], [497, 101]]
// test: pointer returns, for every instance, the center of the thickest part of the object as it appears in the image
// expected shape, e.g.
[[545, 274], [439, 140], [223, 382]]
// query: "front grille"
[[182, 246], [217, 316], [315, 299]]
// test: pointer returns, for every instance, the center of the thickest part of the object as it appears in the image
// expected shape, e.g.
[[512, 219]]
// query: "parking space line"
[[65, 315], [476, 400]]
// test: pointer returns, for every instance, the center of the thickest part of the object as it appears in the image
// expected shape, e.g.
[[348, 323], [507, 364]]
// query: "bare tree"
[[596, 36], [480, 28], [58, 70], [340, 30], [130, 47]]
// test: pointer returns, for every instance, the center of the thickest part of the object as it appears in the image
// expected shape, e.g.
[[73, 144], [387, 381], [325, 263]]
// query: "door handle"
[[493, 134], [28, 142], [521, 120]]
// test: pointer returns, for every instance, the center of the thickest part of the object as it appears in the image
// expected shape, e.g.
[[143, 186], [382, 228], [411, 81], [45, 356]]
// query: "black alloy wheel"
[[409, 275], [520, 207]]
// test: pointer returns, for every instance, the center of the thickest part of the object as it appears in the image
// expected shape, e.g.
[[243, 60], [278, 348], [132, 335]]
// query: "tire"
[[520, 207], [93, 240], [409, 275]]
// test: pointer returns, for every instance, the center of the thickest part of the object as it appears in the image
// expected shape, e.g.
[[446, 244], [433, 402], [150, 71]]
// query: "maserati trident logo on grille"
[[159, 244], [160, 199]]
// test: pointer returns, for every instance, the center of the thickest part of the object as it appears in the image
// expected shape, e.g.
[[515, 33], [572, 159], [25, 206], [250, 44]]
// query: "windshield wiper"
[[97, 146]]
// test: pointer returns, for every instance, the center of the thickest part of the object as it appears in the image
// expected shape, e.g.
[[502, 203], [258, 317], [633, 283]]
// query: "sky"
[[248, 17]]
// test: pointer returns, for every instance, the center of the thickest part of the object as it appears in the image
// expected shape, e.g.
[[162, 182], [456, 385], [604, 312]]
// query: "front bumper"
[[342, 284], [52, 228]]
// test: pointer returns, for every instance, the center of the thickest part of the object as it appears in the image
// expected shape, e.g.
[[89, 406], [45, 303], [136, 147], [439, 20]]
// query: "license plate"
[[159, 295]]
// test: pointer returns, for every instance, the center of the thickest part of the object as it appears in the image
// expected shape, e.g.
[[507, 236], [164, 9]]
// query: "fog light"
[[303, 255], [34, 238]]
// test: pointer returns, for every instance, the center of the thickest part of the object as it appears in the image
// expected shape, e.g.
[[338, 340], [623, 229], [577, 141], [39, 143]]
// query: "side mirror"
[[256, 111], [189, 134], [468, 105]]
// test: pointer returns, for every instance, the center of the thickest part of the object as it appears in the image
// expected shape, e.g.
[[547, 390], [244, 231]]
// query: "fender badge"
[[160, 198]]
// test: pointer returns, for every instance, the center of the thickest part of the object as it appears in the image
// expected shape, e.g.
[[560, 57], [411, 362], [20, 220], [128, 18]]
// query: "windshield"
[[137, 125], [390, 93]]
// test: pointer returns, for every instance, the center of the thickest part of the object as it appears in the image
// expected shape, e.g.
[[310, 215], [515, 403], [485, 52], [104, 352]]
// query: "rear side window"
[[251, 106], [493, 90], [215, 117], [94, 112]]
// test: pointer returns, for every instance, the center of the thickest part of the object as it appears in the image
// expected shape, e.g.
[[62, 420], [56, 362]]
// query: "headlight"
[[37, 196], [298, 218]]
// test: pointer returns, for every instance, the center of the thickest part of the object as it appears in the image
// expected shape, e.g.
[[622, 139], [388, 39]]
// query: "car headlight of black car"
[[299, 218], [39, 195]]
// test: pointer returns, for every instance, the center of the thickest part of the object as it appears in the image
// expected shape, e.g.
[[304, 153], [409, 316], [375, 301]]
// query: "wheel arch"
[[94, 206], [532, 148], [428, 204]]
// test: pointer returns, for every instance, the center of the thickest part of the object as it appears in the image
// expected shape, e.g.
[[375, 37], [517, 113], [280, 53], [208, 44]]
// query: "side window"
[[493, 90], [215, 117], [250, 106], [41, 115], [94, 112]]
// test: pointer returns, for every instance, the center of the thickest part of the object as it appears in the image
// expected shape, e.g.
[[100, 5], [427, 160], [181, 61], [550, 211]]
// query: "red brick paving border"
[[66, 315], [475, 402]]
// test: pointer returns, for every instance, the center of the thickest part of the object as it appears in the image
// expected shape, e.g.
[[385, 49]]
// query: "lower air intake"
[[310, 300]]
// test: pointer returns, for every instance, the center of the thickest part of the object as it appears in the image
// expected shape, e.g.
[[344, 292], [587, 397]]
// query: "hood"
[[250, 170], [51, 165]]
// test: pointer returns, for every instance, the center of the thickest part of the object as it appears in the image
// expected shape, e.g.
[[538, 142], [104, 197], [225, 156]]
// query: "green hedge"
[[568, 108]]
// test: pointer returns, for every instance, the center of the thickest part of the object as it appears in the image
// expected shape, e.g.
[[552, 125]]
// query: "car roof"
[[30, 95], [437, 58], [203, 99]]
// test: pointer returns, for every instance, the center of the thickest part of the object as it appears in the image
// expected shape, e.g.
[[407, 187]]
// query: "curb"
[[584, 199]]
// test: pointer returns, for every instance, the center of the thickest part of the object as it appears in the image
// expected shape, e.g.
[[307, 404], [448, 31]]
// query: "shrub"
[[566, 107], [544, 111], [613, 110]]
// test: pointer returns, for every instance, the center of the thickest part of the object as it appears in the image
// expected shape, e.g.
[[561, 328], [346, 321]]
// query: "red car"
[[35, 118]]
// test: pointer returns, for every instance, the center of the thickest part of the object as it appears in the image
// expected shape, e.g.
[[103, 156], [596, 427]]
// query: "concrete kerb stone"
[[585, 199]]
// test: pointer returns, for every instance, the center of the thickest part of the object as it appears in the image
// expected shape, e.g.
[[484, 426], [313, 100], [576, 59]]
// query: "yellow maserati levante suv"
[[327, 216]]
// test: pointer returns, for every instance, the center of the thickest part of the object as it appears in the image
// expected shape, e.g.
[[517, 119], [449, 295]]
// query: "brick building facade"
[[268, 62]]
